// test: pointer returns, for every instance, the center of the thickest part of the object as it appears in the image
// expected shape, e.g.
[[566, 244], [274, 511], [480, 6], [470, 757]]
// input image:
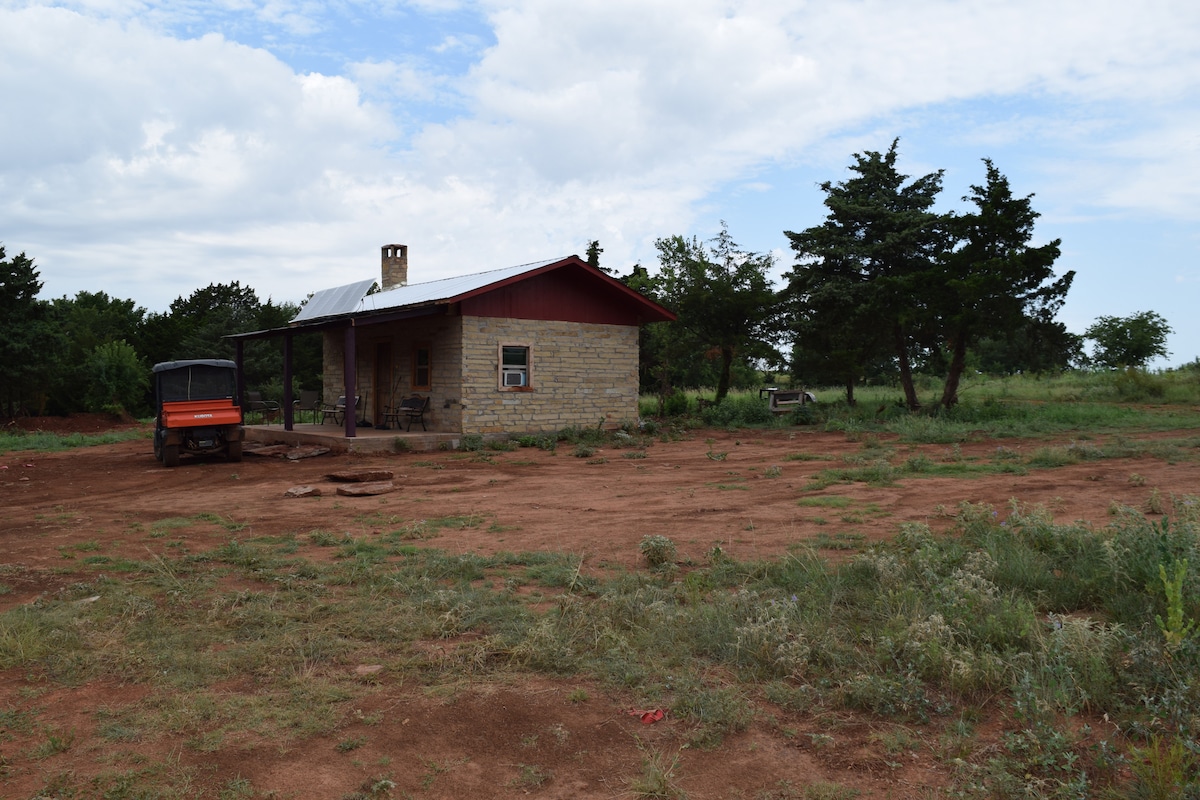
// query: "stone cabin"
[[533, 348]]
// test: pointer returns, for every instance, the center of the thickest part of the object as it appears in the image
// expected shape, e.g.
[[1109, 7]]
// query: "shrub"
[[1137, 385], [658, 550], [540, 441], [675, 405], [737, 411], [901, 696], [590, 436], [116, 378]]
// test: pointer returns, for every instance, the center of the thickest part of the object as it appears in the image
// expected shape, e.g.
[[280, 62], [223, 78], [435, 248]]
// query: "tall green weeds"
[[1053, 622]]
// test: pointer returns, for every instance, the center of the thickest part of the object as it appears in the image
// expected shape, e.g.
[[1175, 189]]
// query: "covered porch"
[[373, 389]]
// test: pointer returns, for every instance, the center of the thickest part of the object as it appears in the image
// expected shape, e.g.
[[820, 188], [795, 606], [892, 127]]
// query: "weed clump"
[[658, 550]]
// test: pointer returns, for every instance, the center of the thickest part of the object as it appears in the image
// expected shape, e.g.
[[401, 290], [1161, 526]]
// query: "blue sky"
[[148, 148]]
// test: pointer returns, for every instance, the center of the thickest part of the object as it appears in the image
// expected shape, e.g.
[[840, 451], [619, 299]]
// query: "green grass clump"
[[12, 439]]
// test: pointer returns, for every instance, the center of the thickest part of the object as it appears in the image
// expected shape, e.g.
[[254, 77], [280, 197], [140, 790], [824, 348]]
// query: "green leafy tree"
[[211, 313], [993, 280], [87, 321], [593, 256], [836, 337], [861, 276], [264, 358], [30, 346], [158, 336], [117, 379], [658, 346], [90, 319], [195, 327], [723, 298], [1131, 341], [1034, 346]]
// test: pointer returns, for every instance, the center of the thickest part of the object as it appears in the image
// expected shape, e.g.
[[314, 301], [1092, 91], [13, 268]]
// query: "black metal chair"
[[310, 402], [338, 410], [268, 409]]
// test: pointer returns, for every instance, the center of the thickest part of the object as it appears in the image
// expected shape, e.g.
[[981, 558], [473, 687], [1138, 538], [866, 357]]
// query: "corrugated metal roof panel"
[[336, 301], [414, 294], [417, 294]]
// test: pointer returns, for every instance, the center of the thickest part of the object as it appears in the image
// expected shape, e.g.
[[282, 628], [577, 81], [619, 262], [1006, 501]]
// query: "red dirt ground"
[[738, 490]]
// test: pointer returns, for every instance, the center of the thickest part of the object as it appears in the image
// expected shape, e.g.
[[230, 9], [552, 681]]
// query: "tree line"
[[93, 352], [883, 289]]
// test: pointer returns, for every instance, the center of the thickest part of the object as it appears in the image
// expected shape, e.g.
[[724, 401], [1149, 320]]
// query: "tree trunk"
[[906, 379], [664, 385], [958, 362], [723, 381], [850, 392]]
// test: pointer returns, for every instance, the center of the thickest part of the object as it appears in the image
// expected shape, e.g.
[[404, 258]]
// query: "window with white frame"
[[515, 363]]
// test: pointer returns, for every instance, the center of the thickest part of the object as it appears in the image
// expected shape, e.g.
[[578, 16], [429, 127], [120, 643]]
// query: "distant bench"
[[781, 401]]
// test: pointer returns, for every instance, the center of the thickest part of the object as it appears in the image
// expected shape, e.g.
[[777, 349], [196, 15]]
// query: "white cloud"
[[696, 92], [132, 152], [402, 83]]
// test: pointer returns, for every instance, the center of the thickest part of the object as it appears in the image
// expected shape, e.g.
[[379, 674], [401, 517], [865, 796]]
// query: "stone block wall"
[[580, 375]]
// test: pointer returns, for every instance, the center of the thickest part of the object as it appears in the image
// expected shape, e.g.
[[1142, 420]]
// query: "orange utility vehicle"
[[198, 410]]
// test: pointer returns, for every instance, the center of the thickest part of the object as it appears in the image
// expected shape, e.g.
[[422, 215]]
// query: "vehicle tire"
[[233, 451], [157, 446], [170, 455]]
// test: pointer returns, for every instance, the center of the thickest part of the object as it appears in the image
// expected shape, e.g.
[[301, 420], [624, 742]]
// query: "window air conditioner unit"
[[514, 378]]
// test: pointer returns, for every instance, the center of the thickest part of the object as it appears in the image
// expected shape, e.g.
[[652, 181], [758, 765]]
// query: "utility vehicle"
[[197, 410]]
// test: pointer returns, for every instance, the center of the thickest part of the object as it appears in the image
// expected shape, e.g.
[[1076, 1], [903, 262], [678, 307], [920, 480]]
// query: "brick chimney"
[[395, 265]]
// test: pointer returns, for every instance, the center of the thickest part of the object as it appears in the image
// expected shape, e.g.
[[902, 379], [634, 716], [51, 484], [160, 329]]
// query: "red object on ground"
[[649, 717]]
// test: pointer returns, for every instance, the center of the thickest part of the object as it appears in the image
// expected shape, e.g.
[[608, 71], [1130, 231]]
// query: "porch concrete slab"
[[367, 440]]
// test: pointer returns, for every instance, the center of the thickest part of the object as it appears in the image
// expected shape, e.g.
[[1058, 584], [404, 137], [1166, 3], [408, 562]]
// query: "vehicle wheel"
[[233, 451], [157, 446], [170, 455]]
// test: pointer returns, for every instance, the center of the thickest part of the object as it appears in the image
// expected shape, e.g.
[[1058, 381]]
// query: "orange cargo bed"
[[197, 413]]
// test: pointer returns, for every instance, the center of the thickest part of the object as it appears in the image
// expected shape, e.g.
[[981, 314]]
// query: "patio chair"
[[310, 402], [269, 409], [338, 410]]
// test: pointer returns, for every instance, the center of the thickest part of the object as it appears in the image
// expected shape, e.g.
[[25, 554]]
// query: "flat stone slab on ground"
[[303, 491], [360, 475], [286, 451], [269, 450], [297, 453], [366, 489]]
